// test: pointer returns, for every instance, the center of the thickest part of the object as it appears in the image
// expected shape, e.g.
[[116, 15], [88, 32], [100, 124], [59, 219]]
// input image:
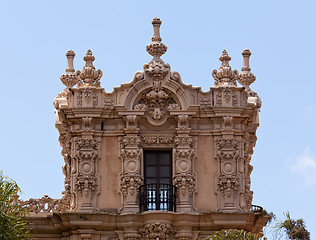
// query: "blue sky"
[[35, 36]]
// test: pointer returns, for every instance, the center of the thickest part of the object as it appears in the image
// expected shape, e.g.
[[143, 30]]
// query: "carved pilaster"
[[86, 179], [185, 178], [229, 184], [131, 176]]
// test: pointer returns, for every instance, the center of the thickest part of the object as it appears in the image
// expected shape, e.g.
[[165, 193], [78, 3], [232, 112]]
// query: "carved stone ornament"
[[86, 185], [87, 148], [156, 140], [228, 185], [69, 78], [185, 183], [155, 231], [225, 76], [183, 121], [246, 78], [89, 76], [156, 103], [47, 204], [183, 141], [130, 141], [130, 184]]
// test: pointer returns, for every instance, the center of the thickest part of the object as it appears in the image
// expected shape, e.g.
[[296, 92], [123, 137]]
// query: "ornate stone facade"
[[209, 137]]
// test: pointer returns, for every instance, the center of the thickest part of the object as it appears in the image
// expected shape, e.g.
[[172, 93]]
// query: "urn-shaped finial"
[[68, 78], [156, 48], [225, 76], [89, 76], [245, 78]]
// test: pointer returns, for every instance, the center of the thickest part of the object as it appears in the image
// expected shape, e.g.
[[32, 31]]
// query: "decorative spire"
[[156, 48], [89, 76], [69, 78], [225, 76], [246, 78]]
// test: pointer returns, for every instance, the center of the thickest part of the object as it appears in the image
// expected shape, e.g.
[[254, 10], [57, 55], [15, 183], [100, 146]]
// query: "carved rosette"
[[155, 231], [229, 181]]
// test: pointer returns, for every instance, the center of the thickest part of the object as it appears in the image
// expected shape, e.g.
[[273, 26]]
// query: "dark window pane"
[[151, 180], [164, 171], [165, 180], [150, 158], [164, 158], [151, 171]]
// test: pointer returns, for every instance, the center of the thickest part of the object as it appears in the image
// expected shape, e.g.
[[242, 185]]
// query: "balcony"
[[157, 197]]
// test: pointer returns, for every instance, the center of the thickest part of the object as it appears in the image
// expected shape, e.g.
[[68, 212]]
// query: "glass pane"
[[151, 171], [164, 171], [151, 180], [164, 158], [150, 158], [165, 180]]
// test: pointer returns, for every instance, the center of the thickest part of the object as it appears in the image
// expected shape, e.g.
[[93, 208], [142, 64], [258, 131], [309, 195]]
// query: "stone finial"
[[89, 76], [156, 48], [245, 78], [225, 76], [68, 78]]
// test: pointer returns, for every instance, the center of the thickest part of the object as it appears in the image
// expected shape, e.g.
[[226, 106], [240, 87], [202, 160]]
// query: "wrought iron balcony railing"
[[157, 197], [256, 209]]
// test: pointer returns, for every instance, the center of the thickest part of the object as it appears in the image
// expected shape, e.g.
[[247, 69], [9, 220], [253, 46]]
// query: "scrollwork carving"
[[86, 185], [185, 183], [154, 231], [150, 140], [130, 184]]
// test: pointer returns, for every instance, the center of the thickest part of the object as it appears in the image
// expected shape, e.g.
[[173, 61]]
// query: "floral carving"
[[185, 183], [156, 103], [87, 148], [131, 122], [87, 95], [183, 121], [183, 141], [157, 70], [79, 99], [227, 94], [130, 184], [130, 141], [155, 231], [95, 99], [86, 185], [228, 184], [219, 99], [108, 102], [157, 140], [205, 101]]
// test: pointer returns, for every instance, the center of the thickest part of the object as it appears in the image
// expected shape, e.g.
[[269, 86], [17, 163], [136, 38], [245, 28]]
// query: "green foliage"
[[234, 234], [12, 211], [294, 229]]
